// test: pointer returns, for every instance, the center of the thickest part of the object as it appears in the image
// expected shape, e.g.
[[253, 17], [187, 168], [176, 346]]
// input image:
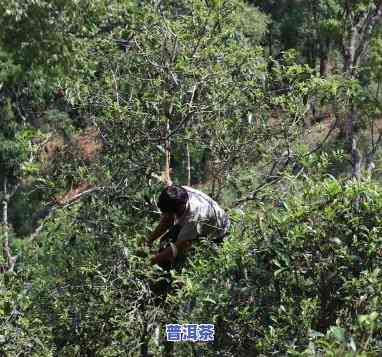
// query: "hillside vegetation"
[[271, 107]]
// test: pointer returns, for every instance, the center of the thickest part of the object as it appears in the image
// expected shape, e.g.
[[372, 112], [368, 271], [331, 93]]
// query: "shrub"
[[305, 279]]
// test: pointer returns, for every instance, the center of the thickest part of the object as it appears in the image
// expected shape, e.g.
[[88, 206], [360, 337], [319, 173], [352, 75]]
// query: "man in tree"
[[187, 215]]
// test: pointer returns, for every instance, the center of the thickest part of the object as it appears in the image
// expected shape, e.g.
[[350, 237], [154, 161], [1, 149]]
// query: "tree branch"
[[365, 30], [269, 180], [46, 212]]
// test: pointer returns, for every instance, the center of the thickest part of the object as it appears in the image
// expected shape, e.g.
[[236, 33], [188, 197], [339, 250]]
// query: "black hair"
[[171, 198]]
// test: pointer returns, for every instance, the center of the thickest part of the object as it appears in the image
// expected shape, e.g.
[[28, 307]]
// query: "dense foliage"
[[271, 107], [303, 279]]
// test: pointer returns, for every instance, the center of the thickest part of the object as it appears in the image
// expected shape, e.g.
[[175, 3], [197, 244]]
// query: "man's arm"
[[164, 224], [167, 255]]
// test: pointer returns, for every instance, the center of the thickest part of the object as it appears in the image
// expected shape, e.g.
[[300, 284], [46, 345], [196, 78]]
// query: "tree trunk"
[[324, 65], [8, 258], [370, 166], [349, 48], [188, 164], [167, 146], [351, 138], [356, 159], [359, 29], [270, 41]]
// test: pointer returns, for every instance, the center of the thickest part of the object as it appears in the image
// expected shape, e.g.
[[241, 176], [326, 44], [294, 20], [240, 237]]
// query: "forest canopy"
[[272, 108]]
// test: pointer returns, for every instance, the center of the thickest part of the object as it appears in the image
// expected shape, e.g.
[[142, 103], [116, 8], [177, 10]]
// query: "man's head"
[[173, 199]]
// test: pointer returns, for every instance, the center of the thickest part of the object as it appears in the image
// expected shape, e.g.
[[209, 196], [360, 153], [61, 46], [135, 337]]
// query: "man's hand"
[[149, 242], [167, 255], [164, 224], [142, 253]]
